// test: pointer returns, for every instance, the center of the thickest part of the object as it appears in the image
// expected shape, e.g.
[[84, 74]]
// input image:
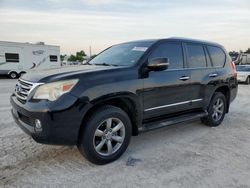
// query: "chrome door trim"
[[184, 78], [196, 100], [174, 104]]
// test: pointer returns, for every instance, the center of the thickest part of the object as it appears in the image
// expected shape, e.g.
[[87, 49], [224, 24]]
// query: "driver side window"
[[172, 51]]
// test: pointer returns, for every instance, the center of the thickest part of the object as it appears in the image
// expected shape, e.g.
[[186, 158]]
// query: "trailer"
[[240, 58], [245, 59], [18, 58]]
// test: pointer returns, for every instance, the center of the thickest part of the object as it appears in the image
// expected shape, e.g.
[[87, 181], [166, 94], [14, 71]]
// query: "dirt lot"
[[185, 155]]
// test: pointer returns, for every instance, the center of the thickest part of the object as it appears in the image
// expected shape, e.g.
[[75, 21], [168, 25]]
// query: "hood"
[[46, 74]]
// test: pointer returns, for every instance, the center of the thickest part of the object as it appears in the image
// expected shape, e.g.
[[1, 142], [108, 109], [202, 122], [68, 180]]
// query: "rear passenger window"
[[172, 51], [196, 56], [217, 55]]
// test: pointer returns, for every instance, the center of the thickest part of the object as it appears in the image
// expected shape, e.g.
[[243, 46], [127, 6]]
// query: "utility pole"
[[90, 51]]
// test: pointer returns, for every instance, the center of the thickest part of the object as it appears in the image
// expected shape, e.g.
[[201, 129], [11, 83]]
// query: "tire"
[[212, 120], [248, 80], [13, 75], [106, 135]]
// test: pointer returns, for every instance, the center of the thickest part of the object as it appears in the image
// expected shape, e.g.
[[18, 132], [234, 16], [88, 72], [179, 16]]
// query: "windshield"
[[243, 68], [125, 54]]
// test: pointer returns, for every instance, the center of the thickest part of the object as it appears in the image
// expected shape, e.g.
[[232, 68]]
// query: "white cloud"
[[98, 2], [77, 29]]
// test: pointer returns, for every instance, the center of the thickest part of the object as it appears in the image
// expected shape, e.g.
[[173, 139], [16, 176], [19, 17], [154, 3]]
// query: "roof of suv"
[[180, 39]]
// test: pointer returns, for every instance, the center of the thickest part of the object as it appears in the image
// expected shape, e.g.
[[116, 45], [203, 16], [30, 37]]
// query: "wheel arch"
[[128, 102], [22, 72], [226, 92]]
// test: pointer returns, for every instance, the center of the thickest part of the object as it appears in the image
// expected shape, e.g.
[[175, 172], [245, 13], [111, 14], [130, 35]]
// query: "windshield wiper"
[[105, 64]]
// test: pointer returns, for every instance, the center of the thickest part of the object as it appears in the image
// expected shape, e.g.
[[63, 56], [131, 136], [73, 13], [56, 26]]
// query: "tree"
[[72, 58], [93, 56], [62, 57], [233, 53], [79, 56]]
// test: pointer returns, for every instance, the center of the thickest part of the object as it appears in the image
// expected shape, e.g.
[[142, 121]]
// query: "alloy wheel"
[[218, 109], [109, 136]]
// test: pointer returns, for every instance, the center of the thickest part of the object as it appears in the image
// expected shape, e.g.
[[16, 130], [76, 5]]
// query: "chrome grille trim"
[[24, 88]]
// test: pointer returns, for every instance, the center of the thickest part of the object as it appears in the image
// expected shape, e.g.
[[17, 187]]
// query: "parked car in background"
[[243, 73], [18, 58], [126, 89]]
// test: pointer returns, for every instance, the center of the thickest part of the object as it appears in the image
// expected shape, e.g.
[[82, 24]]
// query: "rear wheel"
[[13, 75], [106, 135], [216, 110]]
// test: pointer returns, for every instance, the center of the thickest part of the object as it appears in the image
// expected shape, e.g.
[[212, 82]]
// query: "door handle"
[[184, 78], [213, 75]]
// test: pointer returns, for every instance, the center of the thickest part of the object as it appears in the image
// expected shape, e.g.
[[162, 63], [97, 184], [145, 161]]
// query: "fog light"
[[38, 124]]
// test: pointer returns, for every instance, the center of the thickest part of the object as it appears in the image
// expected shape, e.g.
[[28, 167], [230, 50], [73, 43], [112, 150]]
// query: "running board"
[[173, 120]]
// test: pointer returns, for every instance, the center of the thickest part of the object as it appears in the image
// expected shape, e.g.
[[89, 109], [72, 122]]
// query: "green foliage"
[[93, 56], [62, 57], [79, 56], [232, 53]]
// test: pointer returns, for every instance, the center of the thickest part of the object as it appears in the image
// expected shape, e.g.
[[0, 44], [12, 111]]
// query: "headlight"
[[52, 91]]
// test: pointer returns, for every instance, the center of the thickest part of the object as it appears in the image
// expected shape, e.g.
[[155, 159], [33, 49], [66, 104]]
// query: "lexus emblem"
[[18, 88]]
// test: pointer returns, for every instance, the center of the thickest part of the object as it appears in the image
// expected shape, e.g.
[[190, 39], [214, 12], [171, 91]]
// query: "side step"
[[172, 120]]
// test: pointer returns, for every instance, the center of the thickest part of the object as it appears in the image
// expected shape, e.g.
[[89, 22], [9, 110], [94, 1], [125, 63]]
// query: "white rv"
[[18, 58]]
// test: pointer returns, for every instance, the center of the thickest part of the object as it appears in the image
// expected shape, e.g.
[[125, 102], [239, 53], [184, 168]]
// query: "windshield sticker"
[[140, 49]]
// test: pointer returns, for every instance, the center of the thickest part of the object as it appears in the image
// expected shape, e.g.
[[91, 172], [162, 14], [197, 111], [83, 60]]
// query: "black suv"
[[126, 89]]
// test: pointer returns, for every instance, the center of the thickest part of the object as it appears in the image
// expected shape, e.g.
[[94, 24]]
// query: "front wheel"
[[216, 110], [106, 135]]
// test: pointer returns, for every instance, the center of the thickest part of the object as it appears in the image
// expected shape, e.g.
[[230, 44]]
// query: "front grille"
[[23, 89]]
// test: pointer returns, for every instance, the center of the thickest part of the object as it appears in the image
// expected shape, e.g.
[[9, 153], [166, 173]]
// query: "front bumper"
[[61, 121]]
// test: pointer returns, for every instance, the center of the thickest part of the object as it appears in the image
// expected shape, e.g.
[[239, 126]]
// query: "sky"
[[78, 24]]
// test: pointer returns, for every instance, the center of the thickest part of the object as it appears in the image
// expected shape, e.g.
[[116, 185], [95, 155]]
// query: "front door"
[[165, 92]]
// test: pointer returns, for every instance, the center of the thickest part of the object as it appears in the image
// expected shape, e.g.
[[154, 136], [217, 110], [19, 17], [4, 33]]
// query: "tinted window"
[[53, 58], [196, 56], [13, 58], [173, 51], [217, 55]]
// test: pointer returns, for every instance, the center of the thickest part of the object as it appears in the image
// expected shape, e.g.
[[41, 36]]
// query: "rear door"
[[165, 92], [203, 74]]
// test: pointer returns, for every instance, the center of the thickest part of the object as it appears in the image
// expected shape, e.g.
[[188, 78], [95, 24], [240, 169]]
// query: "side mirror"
[[158, 64]]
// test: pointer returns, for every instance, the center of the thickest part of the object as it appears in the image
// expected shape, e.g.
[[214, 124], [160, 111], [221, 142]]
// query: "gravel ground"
[[184, 155]]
